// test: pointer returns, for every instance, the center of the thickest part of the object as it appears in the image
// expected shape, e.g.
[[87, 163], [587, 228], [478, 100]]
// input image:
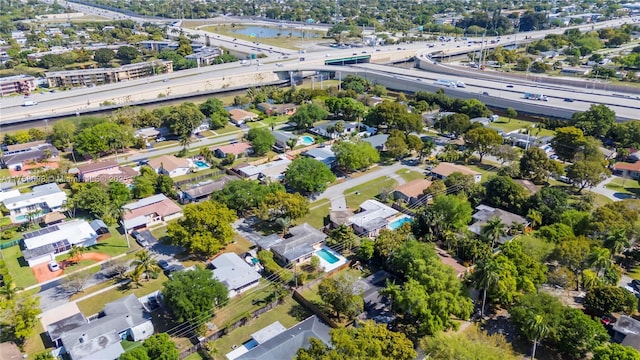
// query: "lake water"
[[272, 32]]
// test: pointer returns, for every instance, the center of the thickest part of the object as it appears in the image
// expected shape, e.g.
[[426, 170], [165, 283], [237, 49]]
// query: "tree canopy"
[[193, 295], [307, 114], [355, 156], [368, 342], [262, 140], [342, 295], [307, 175], [204, 229], [473, 343], [482, 140]]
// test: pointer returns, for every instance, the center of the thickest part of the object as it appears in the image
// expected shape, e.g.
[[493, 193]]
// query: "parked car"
[[53, 266], [173, 268], [144, 238], [163, 264], [161, 139]]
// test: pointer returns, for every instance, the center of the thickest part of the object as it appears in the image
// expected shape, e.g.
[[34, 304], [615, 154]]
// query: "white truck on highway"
[[447, 83], [531, 96], [30, 103]]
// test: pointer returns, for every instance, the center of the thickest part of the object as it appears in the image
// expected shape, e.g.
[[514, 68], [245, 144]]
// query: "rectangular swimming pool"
[[395, 224], [327, 256], [201, 164]]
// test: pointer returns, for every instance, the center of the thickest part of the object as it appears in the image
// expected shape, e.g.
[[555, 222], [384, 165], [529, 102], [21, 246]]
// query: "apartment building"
[[18, 84], [100, 76]]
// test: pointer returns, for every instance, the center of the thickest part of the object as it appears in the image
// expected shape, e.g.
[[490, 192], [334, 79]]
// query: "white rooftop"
[[371, 210], [75, 232], [49, 194], [232, 271]]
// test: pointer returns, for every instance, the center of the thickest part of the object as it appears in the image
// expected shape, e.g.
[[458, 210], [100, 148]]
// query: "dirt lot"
[[43, 273]]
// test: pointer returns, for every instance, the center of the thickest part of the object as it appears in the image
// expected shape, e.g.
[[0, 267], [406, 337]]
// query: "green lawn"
[[227, 129], [96, 303], [410, 175], [623, 185], [288, 314], [115, 245], [635, 273], [34, 344], [282, 41], [508, 126], [319, 210], [242, 305], [369, 190], [194, 356], [276, 120], [18, 268], [193, 175], [5, 173], [485, 169]]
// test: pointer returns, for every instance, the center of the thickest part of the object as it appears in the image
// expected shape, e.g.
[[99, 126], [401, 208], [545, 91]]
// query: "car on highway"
[[568, 100], [53, 266], [485, 93], [510, 86], [418, 79]]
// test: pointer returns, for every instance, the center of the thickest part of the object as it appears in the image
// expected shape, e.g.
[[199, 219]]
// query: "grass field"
[[288, 314], [319, 210], [281, 41], [623, 185], [486, 170], [505, 125], [96, 303], [410, 175], [21, 272], [358, 194], [243, 305]]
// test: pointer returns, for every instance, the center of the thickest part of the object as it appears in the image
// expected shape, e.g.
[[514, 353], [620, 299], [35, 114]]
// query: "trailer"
[[531, 96]]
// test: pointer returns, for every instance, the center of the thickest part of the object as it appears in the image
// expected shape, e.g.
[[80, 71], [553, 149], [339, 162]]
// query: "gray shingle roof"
[[286, 344], [234, 272], [297, 244]]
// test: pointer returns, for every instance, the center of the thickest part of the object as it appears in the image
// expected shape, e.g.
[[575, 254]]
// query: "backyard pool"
[[24, 217], [201, 164], [399, 222], [306, 140], [327, 256]]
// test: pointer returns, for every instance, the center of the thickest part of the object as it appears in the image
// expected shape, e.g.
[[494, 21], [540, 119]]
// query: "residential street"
[[611, 194]]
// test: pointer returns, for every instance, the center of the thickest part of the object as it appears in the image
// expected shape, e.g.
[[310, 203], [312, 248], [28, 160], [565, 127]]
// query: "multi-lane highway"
[[279, 61]]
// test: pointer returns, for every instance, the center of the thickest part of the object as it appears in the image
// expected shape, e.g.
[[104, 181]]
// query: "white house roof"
[[372, 213], [47, 193], [232, 271], [75, 232], [9, 194]]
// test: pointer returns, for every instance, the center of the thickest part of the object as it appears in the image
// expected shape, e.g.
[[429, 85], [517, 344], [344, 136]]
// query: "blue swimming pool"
[[250, 344], [306, 140], [24, 217], [327, 256], [399, 222], [201, 164]]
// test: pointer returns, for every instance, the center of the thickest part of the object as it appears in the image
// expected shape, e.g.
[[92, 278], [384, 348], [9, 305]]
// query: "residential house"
[[41, 200], [171, 165], [323, 154], [100, 338], [372, 217], [147, 133], [376, 306], [202, 191], [282, 139], [375, 100], [412, 191], [297, 246], [16, 157], [377, 141], [149, 211], [451, 262], [204, 126], [106, 171], [485, 213], [44, 245], [239, 116], [278, 109], [274, 344], [270, 171], [628, 170], [9, 193], [238, 149], [626, 327], [237, 275], [443, 170]]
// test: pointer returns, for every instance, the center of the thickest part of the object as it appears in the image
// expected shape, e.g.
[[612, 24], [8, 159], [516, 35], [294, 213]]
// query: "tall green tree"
[[617, 241], [567, 141], [193, 295], [262, 140], [584, 173], [485, 276], [472, 343], [306, 175], [606, 299], [597, 121], [183, 120], [204, 229], [494, 230], [161, 347], [482, 140], [342, 295], [307, 114], [214, 109], [370, 341], [535, 165], [535, 329], [616, 352], [283, 205], [146, 264], [355, 156]]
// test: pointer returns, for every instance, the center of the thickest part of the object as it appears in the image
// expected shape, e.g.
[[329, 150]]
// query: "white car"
[[161, 139], [53, 266]]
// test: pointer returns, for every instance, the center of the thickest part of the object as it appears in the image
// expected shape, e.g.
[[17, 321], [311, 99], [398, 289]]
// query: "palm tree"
[[600, 259], [535, 328], [284, 223], [616, 241], [535, 217], [145, 264], [75, 254], [487, 274], [493, 230]]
